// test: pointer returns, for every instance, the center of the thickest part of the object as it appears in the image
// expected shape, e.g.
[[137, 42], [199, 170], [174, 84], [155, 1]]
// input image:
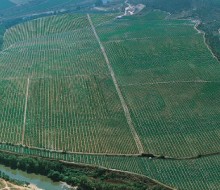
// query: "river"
[[42, 182]]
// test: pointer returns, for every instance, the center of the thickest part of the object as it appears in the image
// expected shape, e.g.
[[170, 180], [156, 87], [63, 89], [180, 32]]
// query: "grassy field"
[[61, 97]]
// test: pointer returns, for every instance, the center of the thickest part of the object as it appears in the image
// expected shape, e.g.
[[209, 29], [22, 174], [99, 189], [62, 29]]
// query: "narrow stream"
[[42, 182]]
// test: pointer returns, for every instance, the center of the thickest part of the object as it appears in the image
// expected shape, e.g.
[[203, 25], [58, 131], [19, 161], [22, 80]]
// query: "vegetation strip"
[[84, 176], [124, 105], [119, 171]]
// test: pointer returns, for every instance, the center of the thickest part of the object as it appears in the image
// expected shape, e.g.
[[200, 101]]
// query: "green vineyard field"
[[93, 89]]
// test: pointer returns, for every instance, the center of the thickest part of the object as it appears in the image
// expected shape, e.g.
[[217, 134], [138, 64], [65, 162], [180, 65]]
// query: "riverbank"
[[77, 176], [6, 185]]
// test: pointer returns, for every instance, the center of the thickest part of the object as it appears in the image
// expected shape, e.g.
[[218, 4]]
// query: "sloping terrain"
[[68, 99], [91, 89], [170, 81]]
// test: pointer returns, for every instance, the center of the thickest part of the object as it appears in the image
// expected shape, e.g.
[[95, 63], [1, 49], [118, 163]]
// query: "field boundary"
[[109, 75], [25, 110], [136, 39], [170, 82], [55, 77], [124, 105], [20, 149]]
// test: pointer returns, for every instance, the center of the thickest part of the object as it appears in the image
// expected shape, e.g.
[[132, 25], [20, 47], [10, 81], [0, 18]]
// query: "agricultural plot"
[[176, 119], [143, 27], [12, 100], [170, 82], [43, 49], [71, 103], [61, 98], [174, 58], [44, 27], [77, 114]]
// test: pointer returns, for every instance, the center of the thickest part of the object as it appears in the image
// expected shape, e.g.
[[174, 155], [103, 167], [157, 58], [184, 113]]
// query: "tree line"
[[85, 178]]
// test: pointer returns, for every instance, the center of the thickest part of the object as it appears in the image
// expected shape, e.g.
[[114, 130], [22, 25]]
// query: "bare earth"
[[5, 185]]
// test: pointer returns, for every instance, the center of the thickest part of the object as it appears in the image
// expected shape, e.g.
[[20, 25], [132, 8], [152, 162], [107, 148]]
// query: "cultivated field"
[[170, 82], [69, 102], [90, 89]]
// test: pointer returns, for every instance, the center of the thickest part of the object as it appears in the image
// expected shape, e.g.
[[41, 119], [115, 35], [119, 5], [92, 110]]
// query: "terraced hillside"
[[97, 90]]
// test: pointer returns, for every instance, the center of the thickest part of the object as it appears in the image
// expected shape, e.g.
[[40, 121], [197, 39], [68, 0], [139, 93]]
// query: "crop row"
[[170, 82], [65, 54], [12, 97], [43, 27], [77, 114], [141, 61], [177, 119], [137, 27]]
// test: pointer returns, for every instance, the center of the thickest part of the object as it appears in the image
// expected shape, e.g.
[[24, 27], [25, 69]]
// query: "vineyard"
[[72, 104], [170, 82], [93, 89]]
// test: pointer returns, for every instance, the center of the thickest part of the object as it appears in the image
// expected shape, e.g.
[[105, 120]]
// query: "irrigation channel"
[[42, 182]]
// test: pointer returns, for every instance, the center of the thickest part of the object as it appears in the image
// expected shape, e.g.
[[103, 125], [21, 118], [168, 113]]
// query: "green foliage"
[[84, 177]]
